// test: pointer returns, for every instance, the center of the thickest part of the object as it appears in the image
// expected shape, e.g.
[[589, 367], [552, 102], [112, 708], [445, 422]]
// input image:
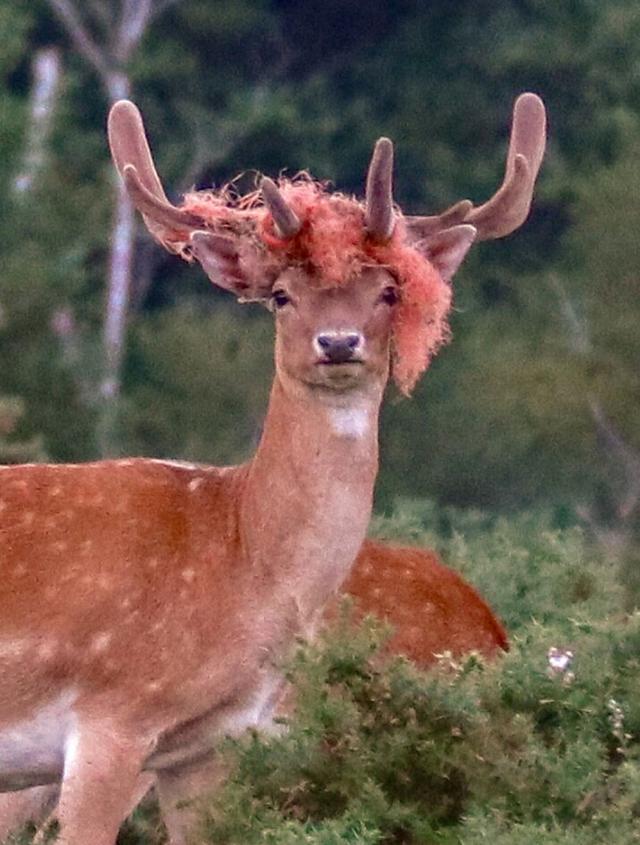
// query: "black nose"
[[338, 348]]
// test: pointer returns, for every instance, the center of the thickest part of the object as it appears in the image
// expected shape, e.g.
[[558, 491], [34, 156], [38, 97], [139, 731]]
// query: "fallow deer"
[[147, 605], [431, 609]]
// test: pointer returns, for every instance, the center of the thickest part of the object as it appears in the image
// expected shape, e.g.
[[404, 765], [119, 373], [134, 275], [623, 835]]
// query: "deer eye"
[[390, 295], [279, 299]]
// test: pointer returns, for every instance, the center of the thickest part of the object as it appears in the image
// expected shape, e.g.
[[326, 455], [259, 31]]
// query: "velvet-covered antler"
[[132, 157], [509, 206], [379, 216], [286, 221]]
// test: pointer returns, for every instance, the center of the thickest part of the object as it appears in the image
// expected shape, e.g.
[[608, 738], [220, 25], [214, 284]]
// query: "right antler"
[[132, 156], [509, 206]]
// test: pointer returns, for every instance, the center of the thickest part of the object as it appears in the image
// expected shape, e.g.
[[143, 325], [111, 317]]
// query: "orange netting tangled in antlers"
[[333, 242]]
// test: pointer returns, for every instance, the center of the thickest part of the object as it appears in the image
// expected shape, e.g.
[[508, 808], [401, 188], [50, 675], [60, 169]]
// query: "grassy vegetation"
[[511, 753]]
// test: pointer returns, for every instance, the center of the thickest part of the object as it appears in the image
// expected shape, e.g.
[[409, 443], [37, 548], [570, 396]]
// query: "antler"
[[132, 157], [285, 220], [509, 206], [379, 216]]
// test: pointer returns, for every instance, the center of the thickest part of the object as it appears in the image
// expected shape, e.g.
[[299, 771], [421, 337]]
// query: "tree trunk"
[[46, 68], [118, 294]]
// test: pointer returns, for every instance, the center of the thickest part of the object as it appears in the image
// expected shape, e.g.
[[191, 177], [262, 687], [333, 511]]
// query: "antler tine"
[[509, 206], [425, 227], [154, 209], [286, 221], [379, 216]]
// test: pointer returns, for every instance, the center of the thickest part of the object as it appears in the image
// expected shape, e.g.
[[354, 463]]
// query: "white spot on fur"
[[100, 643], [47, 650], [13, 648], [194, 484], [188, 575], [353, 423]]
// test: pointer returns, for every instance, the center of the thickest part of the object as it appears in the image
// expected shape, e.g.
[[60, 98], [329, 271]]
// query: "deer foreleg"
[[100, 786]]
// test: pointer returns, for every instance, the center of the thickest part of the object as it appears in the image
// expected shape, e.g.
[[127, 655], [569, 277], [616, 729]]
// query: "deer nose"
[[338, 347]]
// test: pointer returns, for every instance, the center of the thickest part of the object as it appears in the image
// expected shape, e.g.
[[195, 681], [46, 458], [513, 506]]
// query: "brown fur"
[[431, 609]]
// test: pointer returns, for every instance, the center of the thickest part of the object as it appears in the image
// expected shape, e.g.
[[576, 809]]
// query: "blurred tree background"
[[535, 402]]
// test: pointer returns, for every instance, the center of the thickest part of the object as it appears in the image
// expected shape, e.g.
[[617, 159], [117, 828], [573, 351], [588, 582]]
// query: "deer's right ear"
[[222, 263]]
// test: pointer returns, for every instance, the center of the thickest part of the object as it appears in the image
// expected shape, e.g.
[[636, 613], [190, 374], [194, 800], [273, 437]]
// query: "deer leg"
[[48, 813], [100, 786], [179, 790], [28, 805]]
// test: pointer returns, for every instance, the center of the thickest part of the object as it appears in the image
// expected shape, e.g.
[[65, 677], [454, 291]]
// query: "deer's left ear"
[[447, 249], [226, 267]]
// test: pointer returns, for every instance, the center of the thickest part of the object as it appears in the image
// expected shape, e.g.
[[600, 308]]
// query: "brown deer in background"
[[431, 609], [147, 605]]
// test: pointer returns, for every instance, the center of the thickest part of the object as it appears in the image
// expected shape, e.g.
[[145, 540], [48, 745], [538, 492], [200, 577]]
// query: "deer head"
[[354, 285]]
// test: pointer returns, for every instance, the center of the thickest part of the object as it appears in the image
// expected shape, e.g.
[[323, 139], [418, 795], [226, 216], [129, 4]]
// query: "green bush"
[[512, 752]]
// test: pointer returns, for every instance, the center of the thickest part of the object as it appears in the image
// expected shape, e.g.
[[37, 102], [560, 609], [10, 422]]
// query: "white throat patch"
[[352, 423]]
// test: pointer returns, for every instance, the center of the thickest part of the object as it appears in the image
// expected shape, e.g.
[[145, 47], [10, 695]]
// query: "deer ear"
[[222, 263], [447, 249]]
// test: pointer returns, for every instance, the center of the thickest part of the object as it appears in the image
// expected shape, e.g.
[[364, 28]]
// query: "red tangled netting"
[[333, 241]]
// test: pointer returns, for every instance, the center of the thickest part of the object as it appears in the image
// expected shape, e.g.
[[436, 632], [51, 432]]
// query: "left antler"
[[499, 216], [509, 206]]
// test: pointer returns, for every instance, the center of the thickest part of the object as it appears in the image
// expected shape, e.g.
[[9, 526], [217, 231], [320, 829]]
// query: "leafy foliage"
[[513, 751]]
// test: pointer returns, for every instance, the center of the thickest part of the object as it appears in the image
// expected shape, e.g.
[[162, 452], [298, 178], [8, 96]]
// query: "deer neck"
[[309, 490]]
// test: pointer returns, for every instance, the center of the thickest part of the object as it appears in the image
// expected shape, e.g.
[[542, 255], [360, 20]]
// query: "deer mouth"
[[327, 362], [338, 375]]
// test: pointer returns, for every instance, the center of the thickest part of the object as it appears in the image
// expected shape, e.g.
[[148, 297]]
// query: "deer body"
[[146, 606], [162, 560], [431, 609]]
